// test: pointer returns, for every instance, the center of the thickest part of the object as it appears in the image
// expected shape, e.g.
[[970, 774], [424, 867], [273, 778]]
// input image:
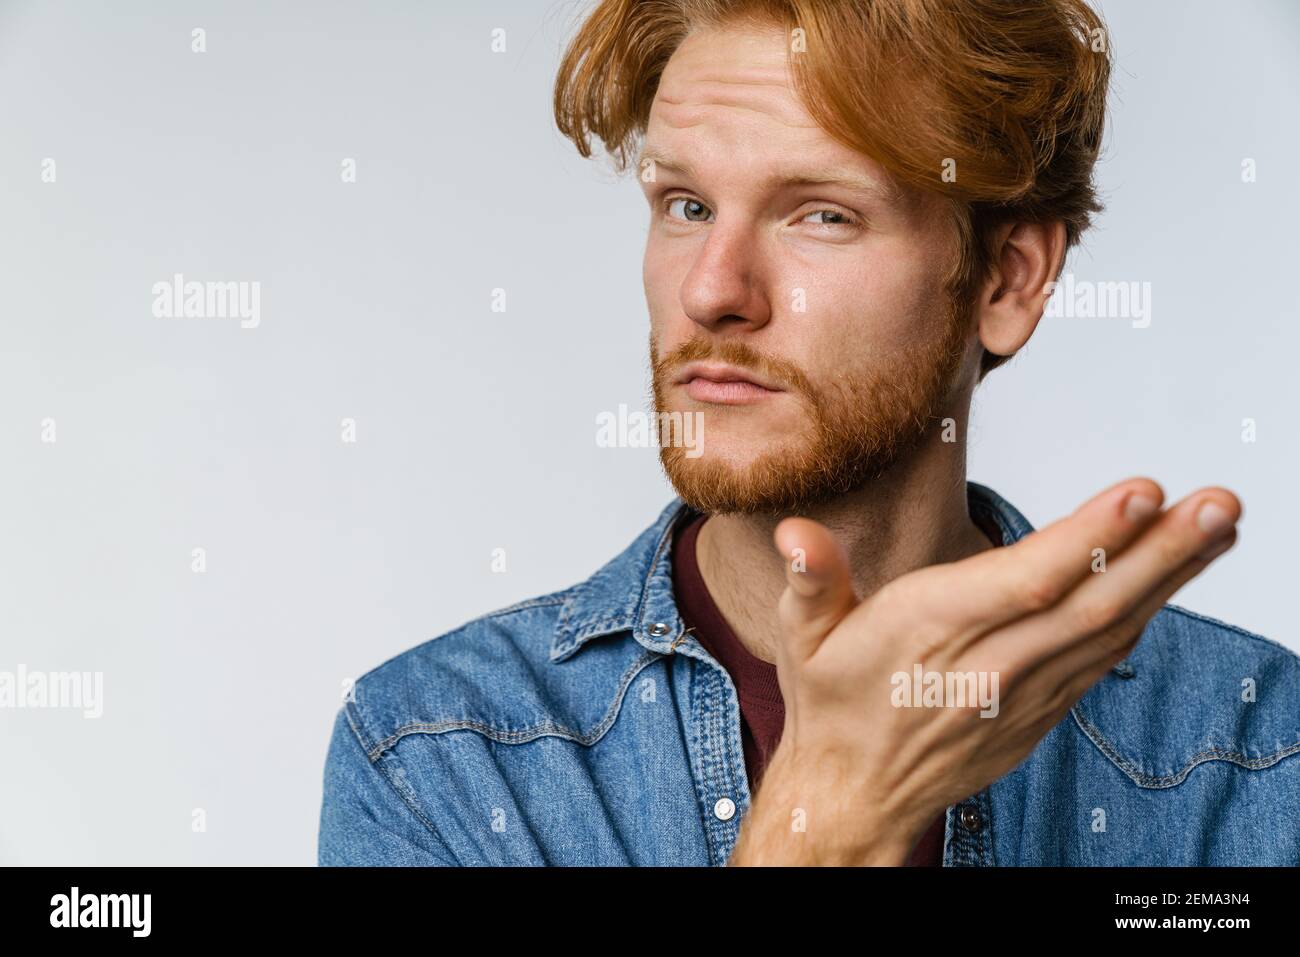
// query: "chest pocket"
[[486, 678], [1195, 690]]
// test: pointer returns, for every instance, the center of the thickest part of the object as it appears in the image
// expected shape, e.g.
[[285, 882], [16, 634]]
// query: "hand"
[[867, 775]]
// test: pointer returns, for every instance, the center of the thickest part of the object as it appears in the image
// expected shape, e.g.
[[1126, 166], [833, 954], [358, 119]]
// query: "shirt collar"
[[634, 591]]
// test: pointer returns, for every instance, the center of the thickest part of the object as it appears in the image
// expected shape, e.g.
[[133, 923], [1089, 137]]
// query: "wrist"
[[797, 820]]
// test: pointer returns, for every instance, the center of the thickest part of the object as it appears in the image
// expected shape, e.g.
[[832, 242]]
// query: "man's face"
[[778, 254]]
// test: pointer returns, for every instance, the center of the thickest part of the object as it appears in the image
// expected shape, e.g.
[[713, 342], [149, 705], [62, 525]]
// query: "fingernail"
[[1138, 506], [1213, 519]]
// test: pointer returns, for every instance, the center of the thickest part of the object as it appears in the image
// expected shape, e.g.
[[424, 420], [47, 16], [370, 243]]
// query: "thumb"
[[819, 589]]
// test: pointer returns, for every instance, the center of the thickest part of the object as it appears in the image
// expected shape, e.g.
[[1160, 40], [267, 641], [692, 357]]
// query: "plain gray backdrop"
[[475, 429]]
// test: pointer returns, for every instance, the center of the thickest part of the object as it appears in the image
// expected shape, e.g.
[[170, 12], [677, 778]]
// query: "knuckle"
[[1036, 592], [1099, 615]]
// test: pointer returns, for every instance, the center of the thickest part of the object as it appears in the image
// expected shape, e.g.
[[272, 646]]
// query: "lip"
[[725, 384]]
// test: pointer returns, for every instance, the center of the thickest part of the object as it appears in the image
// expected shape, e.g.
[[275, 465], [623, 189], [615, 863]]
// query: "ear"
[[1011, 301]]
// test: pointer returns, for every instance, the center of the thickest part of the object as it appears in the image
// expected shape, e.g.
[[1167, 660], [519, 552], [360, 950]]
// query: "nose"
[[723, 289]]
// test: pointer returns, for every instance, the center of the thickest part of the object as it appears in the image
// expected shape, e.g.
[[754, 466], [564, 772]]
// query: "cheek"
[[662, 269], [657, 284], [662, 275], [876, 305], [659, 304]]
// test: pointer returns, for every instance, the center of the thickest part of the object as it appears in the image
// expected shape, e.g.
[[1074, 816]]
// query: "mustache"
[[733, 352]]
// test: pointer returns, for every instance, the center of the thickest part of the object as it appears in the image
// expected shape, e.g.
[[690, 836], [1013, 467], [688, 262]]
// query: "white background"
[[476, 429]]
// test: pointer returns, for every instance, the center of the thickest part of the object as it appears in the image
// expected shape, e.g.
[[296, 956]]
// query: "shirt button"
[[725, 809], [659, 629], [970, 819]]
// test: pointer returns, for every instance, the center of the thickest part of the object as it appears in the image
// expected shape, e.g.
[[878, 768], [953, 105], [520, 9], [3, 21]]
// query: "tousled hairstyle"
[[1007, 96]]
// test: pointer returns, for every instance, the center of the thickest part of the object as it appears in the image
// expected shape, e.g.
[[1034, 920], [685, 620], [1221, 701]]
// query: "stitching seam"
[[526, 734], [1170, 780]]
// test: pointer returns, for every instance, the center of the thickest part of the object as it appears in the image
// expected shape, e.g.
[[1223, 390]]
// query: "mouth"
[[724, 384]]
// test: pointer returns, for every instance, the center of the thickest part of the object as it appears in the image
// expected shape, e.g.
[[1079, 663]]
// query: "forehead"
[[740, 66], [727, 96]]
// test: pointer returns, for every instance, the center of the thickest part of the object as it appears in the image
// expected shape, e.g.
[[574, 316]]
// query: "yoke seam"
[[1170, 780], [523, 735]]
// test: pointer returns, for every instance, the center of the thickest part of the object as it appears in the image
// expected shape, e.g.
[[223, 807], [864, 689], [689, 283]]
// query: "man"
[[832, 648]]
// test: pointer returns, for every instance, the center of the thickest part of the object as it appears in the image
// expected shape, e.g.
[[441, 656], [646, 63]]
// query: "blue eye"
[[693, 208]]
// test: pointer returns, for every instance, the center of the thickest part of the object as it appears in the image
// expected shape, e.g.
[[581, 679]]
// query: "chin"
[[739, 477], [741, 455]]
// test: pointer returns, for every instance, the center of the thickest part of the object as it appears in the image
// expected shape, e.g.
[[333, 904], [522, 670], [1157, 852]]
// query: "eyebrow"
[[829, 176]]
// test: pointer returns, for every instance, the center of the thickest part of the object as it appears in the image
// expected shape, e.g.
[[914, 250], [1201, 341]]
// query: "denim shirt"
[[584, 728]]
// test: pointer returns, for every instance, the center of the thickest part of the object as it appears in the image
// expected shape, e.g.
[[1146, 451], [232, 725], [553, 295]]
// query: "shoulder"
[[504, 677], [1195, 689], [481, 673], [557, 664]]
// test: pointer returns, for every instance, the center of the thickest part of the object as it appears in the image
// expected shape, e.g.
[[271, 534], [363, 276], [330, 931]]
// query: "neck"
[[913, 516]]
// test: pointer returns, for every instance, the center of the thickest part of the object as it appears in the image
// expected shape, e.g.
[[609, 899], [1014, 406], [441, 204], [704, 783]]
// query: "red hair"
[[1008, 97]]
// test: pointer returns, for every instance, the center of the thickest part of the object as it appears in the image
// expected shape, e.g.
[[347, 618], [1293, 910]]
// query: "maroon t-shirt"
[[762, 709]]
